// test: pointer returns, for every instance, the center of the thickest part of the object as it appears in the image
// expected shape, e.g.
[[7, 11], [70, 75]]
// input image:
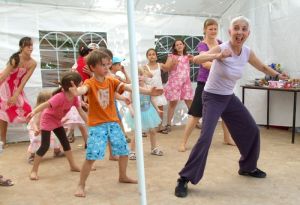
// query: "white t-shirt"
[[224, 73]]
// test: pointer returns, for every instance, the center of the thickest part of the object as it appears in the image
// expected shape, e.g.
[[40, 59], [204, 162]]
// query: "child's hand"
[[73, 90], [191, 58], [37, 132], [84, 105], [29, 116], [159, 111], [132, 113], [123, 69], [174, 62], [156, 91], [127, 100], [87, 71]]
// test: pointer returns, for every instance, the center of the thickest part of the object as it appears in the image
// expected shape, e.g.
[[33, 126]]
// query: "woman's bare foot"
[[114, 158], [80, 191], [75, 169], [128, 180], [181, 148], [33, 176]]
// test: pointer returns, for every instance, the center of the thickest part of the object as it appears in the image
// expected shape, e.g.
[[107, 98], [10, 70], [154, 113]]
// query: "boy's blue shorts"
[[98, 137]]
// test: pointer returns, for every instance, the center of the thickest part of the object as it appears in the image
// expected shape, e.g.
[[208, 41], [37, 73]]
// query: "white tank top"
[[224, 73], [155, 81]]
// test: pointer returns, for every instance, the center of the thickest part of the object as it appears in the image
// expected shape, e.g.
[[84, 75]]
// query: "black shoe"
[[257, 173], [181, 188]]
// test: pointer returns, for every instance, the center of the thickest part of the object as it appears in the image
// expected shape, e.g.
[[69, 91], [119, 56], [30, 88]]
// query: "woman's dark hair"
[[14, 59], [83, 50], [65, 82], [174, 51], [150, 49]]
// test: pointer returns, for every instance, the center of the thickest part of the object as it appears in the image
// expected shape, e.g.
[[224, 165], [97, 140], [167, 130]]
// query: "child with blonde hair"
[[102, 118], [35, 132], [53, 111], [149, 117]]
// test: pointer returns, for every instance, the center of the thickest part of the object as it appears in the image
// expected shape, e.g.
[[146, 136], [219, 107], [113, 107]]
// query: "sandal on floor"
[[156, 151], [71, 137], [166, 130], [5, 182], [132, 156]]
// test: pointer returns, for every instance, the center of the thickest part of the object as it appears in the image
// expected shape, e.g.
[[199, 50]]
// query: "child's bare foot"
[[33, 176], [114, 158], [75, 169], [80, 191], [181, 148], [128, 180], [93, 168]]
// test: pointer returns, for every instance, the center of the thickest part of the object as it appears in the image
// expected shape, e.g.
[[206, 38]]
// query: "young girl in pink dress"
[[179, 86], [13, 104], [52, 112], [35, 132]]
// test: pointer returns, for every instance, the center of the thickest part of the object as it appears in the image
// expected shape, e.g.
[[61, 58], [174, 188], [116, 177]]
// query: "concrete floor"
[[221, 183]]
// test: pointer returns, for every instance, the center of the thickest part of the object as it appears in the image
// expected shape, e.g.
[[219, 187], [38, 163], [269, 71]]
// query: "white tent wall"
[[274, 39], [18, 20]]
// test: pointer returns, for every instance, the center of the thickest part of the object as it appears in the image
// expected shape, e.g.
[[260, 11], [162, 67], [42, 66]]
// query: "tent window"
[[59, 51], [163, 45]]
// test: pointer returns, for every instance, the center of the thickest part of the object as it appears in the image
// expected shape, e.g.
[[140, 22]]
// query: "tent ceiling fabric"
[[204, 8]]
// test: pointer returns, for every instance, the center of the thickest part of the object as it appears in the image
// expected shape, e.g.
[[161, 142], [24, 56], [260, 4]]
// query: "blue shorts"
[[98, 137]]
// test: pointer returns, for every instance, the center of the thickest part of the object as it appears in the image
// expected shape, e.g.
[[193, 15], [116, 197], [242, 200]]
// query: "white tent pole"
[[136, 102]]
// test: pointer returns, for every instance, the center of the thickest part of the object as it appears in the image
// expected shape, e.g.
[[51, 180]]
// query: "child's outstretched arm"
[[38, 109], [170, 63], [153, 91], [77, 91]]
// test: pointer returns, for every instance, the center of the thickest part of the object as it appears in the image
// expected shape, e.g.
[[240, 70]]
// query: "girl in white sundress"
[[153, 69]]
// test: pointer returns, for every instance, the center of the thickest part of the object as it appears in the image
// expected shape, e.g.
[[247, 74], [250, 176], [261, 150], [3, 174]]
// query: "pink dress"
[[179, 86], [18, 112]]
